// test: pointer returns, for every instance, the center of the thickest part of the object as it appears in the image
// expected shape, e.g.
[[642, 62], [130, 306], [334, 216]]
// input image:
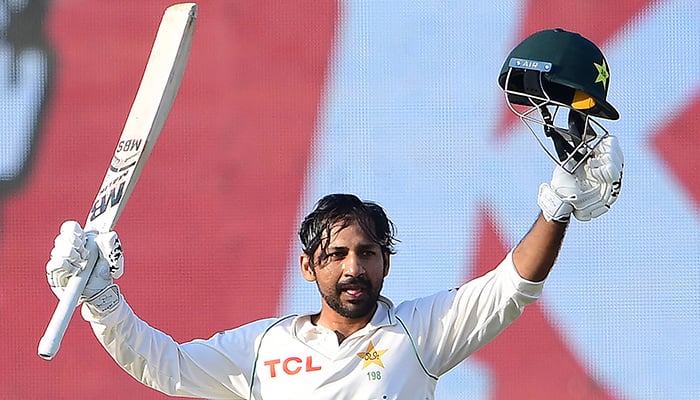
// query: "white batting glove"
[[590, 191], [69, 256]]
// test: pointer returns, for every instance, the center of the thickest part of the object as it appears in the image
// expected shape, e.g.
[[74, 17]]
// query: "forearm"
[[137, 348], [472, 316], [536, 253], [198, 368]]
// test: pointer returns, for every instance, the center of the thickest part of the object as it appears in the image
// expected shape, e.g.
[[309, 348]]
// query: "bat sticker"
[[119, 164]]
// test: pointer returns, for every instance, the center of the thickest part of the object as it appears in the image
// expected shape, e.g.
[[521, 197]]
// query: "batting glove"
[[69, 256], [590, 191]]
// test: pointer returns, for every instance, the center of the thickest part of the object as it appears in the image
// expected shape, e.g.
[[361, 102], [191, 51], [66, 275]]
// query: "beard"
[[356, 308]]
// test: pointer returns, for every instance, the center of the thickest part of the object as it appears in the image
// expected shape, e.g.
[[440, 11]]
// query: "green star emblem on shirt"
[[603, 74]]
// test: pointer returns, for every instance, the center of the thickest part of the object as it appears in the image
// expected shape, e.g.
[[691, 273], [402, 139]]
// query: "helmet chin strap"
[[532, 85], [573, 143], [563, 148], [567, 142]]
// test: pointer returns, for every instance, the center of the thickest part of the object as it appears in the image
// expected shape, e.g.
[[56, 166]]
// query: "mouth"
[[353, 291]]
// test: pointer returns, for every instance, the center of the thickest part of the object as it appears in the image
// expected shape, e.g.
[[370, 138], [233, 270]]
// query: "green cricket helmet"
[[554, 70]]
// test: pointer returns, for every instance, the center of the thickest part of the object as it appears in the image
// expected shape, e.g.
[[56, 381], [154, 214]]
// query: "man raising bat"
[[360, 345]]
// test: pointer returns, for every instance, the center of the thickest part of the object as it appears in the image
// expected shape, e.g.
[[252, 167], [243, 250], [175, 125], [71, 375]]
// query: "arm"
[[534, 256], [214, 368], [455, 324], [587, 193]]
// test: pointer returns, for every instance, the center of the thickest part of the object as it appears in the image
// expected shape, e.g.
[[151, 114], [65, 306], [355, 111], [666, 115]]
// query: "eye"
[[336, 255], [368, 253]]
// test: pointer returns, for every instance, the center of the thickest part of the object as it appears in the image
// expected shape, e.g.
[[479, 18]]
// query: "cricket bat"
[[154, 98]]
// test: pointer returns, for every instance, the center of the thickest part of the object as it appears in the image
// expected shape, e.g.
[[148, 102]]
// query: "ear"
[[307, 270], [386, 257]]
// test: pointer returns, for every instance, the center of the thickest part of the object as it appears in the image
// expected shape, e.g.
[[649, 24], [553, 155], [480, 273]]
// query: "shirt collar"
[[304, 330]]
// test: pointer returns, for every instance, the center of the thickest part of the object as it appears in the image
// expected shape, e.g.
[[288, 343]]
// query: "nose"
[[352, 265]]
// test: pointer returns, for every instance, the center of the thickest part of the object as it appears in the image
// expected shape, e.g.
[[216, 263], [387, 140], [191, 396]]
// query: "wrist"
[[554, 208], [106, 300]]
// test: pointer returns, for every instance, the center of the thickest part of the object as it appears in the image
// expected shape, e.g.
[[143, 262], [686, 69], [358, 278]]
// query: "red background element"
[[531, 348], [677, 144], [226, 173]]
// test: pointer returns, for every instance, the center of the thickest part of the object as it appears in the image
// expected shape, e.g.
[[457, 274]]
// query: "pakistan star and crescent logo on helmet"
[[603, 74]]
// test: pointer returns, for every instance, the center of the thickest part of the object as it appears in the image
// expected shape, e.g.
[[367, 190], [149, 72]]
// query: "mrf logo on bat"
[[112, 189]]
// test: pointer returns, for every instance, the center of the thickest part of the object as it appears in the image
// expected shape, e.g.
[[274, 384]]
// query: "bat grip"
[[53, 335]]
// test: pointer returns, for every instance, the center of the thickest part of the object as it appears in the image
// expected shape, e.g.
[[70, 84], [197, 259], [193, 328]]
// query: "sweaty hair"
[[345, 209]]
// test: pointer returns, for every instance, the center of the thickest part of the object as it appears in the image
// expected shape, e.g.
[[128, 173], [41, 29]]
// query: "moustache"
[[354, 283]]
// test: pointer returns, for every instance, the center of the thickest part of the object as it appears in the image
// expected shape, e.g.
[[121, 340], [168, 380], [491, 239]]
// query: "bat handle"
[[53, 335]]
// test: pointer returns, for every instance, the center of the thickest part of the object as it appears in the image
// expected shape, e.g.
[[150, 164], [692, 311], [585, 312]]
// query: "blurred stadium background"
[[396, 101]]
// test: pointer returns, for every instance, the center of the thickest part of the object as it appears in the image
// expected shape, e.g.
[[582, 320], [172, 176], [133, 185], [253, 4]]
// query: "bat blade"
[[149, 111]]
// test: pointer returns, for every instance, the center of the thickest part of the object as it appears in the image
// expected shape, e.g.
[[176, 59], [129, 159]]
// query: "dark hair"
[[345, 209]]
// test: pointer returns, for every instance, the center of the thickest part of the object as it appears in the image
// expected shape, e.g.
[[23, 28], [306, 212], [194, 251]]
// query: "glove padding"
[[70, 255], [590, 191]]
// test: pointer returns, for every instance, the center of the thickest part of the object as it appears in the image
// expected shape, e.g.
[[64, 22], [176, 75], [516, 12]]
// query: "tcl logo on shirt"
[[291, 366]]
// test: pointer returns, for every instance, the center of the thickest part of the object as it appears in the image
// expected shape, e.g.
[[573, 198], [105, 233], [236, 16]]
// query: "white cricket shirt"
[[400, 354]]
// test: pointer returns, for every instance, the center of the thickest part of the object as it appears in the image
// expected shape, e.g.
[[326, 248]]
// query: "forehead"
[[343, 234]]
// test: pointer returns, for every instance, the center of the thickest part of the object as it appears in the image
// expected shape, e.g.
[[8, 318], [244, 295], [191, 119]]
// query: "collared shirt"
[[399, 354]]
